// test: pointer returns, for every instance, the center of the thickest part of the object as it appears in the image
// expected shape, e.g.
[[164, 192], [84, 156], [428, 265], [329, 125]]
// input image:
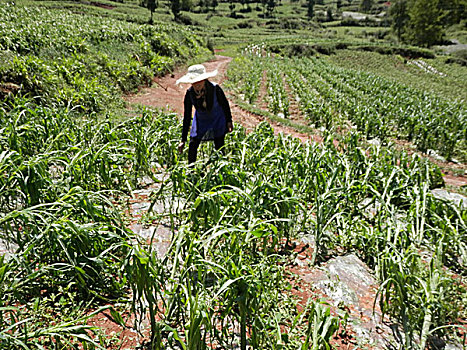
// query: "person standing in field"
[[212, 118]]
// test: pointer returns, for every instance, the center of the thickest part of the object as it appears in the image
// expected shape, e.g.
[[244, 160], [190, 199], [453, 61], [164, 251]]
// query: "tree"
[[311, 9], [186, 5], [399, 17], [338, 4], [175, 7], [270, 6], [454, 11], [366, 5], [425, 25], [151, 5]]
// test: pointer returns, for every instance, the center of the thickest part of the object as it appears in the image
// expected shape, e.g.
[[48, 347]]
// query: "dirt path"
[[168, 96]]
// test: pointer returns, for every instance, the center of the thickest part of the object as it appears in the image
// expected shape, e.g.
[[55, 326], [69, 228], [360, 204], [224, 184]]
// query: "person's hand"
[[229, 126], [181, 146]]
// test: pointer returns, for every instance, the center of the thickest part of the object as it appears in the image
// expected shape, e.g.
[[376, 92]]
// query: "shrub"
[[187, 20], [350, 22], [458, 60], [409, 52], [245, 24], [329, 48]]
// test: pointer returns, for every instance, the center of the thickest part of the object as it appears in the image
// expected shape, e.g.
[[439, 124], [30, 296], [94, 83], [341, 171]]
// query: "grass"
[[451, 86], [331, 97]]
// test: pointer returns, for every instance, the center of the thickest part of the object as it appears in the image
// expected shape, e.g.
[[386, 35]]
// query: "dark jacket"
[[191, 100]]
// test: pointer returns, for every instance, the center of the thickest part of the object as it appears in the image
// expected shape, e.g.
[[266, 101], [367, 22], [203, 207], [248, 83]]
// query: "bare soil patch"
[[101, 5]]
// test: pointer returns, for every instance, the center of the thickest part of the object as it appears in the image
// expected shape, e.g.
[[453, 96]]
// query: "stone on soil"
[[348, 283], [160, 237], [455, 198], [7, 249]]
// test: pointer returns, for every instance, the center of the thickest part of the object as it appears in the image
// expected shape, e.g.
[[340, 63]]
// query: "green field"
[[79, 168]]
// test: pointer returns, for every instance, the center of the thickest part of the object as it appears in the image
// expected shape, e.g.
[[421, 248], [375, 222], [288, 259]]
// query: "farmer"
[[212, 119]]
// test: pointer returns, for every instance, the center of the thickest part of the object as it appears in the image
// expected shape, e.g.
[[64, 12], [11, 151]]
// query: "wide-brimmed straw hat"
[[196, 73]]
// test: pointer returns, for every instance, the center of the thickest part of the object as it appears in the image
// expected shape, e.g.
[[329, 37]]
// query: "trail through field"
[[167, 95]]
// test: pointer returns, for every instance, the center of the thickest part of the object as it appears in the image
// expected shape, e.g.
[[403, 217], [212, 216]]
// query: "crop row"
[[39, 31], [378, 107], [62, 177]]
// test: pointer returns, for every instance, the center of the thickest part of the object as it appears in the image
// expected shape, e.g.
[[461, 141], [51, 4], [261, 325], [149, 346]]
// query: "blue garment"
[[206, 124]]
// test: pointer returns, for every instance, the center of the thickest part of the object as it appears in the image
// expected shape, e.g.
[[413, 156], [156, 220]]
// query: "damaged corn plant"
[[223, 282]]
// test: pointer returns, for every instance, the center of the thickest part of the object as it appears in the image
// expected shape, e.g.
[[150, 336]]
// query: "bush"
[[186, 20], [350, 22], [210, 44], [457, 60], [293, 50], [380, 34], [408, 52], [292, 24], [329, 48], [245, 24], [306, 50]]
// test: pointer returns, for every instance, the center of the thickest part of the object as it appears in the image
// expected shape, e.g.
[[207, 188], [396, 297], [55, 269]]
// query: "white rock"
[[435, 155], [456, 198], [375, 142]]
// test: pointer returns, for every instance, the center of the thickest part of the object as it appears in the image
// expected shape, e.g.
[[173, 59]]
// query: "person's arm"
[[224, 103], [187, 105]]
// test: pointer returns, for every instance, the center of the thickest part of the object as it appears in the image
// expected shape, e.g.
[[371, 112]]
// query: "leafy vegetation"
[[83, 61], [240, 211], [381, 108], [423, 22], [70, 158]]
